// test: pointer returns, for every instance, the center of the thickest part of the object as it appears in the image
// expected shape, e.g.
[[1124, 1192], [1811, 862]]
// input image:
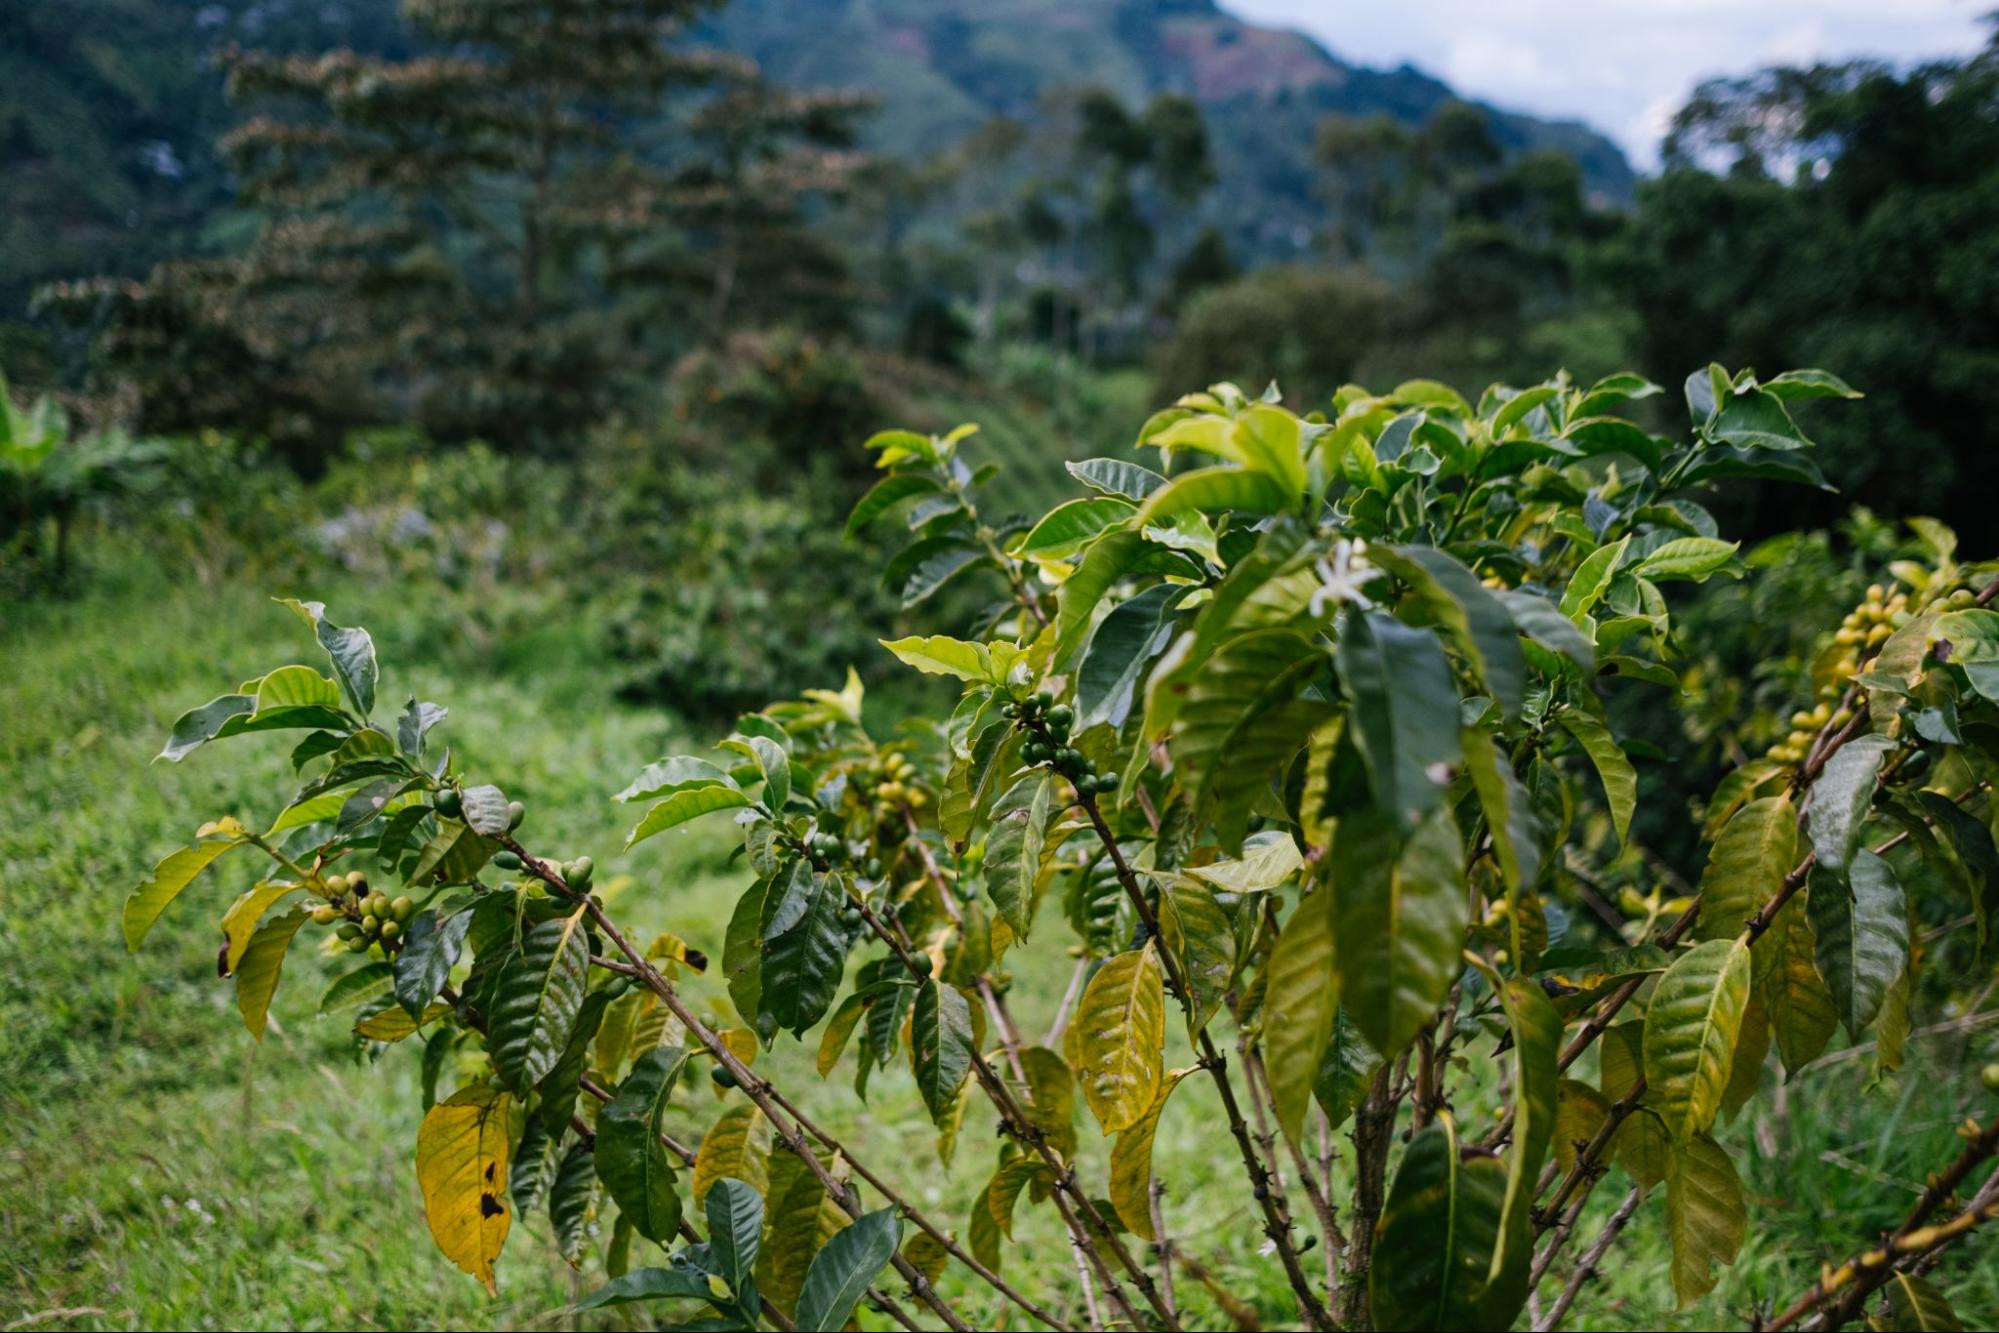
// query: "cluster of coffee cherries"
[[1860, 635], [830, 849], [577, 874], [369, 915], [1047, 726], [896, 787]]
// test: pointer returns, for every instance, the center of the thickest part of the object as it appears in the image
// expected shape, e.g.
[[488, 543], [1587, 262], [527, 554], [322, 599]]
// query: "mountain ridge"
[[943, 67]]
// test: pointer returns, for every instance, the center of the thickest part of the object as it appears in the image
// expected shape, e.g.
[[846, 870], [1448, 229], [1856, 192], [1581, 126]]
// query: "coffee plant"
[[1298, 744]]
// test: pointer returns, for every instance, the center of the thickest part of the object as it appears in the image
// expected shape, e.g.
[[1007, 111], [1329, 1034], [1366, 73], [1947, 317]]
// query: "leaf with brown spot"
[[461, 1166]]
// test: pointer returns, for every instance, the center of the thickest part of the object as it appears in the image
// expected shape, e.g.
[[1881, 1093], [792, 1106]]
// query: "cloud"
[[1623, 66]]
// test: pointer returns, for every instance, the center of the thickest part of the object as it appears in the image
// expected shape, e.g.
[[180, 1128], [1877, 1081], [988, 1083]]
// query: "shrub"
[[1294, 747], [48, 476], [1298, 324]]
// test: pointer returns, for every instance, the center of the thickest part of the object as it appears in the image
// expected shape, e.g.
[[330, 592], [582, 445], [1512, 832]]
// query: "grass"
[[159, 1169]]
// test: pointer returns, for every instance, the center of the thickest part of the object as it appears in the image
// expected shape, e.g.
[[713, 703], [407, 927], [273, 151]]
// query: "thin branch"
[[1586, 1267], [1269, 1197]]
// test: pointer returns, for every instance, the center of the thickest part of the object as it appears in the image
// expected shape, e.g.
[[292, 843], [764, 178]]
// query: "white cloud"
[[1621, 65]]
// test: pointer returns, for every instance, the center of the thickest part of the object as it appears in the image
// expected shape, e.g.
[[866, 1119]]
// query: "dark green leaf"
[[430, 949], [1405, 712], [940, 1032], [1861, 921], [634, 1164], [844, 1267], [536, 999]]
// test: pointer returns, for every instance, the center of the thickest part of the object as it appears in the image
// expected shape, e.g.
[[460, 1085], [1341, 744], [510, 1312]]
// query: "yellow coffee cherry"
[[1879, 635], [324, 914], [1801, 720]]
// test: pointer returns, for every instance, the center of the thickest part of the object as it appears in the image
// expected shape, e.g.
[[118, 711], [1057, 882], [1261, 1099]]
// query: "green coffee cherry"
[[516, 812], [506, 860], [1991, 1077], [920, 964], [359, 944], [370, 924], [1043, 699], [724, 1077], [449, 804], [403, 908], [348, 931], [391, 929], [580, 871], [324, 914]]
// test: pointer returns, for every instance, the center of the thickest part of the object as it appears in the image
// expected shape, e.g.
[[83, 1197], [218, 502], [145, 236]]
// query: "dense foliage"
[[1295, 746]]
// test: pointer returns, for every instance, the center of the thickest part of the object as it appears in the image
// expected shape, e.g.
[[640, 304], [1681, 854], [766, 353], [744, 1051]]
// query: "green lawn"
[[159, 1169]]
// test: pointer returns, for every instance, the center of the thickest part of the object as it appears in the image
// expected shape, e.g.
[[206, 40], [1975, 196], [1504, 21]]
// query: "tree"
[[494, 236], [1293, 750], [1845, 214]]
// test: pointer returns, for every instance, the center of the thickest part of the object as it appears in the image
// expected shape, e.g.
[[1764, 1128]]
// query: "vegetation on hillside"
[[1287, 855]]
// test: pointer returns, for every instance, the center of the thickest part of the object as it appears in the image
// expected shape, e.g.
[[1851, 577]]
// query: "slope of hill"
[[943, 67], [109, 109]]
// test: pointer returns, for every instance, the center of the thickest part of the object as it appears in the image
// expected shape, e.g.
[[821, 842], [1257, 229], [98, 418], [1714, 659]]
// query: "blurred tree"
[[1840, 215], [445, 234], [1481, 245], [1305, 326]]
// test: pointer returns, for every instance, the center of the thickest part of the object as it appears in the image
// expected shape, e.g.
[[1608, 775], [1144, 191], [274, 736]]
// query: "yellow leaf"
[[263, 961], [240, 921], [1117, 1038], [174, 873], [1580, 1111], [461, 1166], [1301, 1000], [1691, 1028], [395, 1024], [1705, 1216], [796, 1223], [1131, 1163], [736, 1145]]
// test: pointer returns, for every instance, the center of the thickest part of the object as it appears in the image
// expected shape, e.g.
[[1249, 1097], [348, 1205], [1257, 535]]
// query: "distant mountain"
[[943, 67], [109, 109]]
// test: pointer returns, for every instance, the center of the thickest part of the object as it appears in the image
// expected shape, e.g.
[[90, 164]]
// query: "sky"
[[1622, 66]]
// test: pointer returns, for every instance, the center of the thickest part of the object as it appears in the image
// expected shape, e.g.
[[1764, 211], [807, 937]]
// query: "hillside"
[[109, 109], [943, 67]]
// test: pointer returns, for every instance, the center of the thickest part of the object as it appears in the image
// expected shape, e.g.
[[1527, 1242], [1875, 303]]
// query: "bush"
[[1301, 325], [49, 476], [1304, 750]]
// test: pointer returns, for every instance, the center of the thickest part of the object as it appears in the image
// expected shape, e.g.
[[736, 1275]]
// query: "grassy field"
[[159, 1169]]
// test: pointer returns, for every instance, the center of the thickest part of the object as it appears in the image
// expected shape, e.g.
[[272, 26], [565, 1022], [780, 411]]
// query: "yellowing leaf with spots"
[[1116, 1038], [461, 1166]]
